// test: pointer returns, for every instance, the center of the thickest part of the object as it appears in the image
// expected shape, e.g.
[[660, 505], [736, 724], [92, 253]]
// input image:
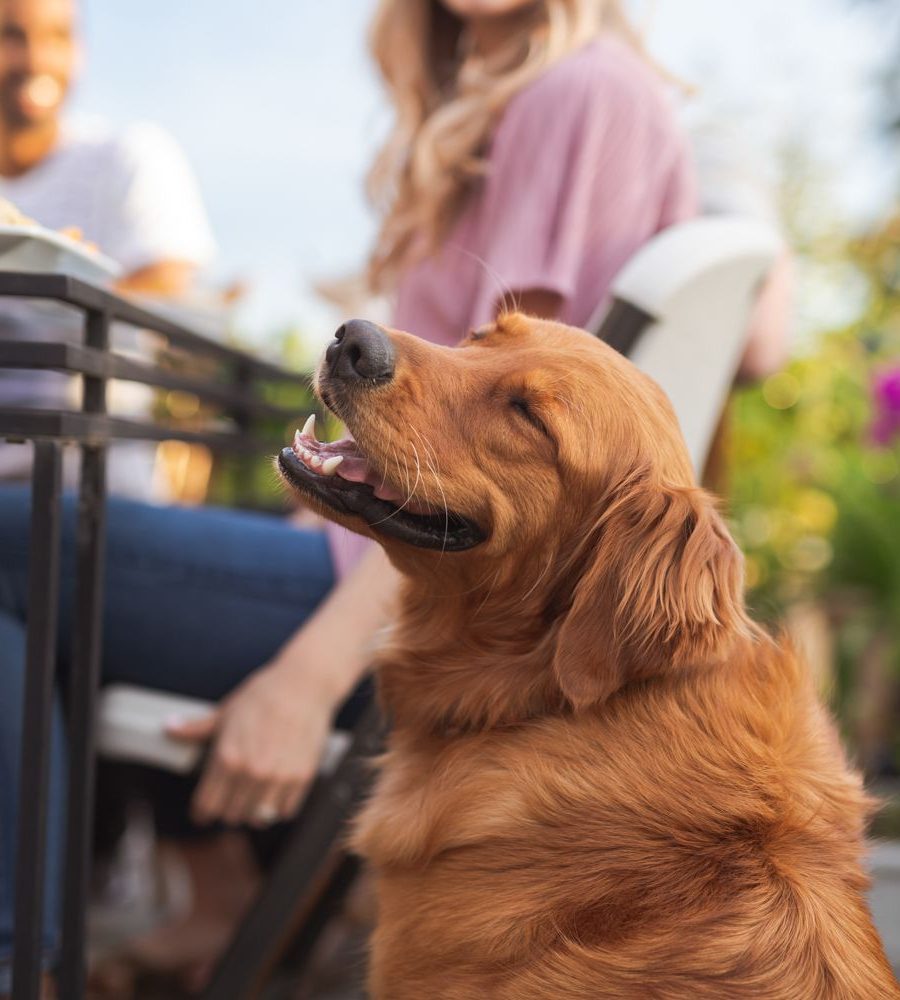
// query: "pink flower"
[[886, 403]]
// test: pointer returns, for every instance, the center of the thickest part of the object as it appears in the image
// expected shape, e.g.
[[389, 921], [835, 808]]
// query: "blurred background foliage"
[[251, 481], [813, 469]]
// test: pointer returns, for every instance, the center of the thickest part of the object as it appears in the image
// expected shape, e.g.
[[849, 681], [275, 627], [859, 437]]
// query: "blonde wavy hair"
[[446, 103]]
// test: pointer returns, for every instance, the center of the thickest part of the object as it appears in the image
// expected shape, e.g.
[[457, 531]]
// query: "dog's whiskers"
[[410, 493], [437, 478], [537, 582], [570, 405], [508, 301], [410, 490], [489, 593]]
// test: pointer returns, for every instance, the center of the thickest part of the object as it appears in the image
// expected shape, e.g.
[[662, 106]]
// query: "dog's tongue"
[[355, 469]]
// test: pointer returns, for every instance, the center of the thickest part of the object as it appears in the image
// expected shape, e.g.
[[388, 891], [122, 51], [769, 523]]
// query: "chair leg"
[[34, 784], [297, 873], [83, 684], [328, 904]]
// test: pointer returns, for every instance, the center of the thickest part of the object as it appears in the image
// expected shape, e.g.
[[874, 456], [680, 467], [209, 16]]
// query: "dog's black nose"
[[360, 351]]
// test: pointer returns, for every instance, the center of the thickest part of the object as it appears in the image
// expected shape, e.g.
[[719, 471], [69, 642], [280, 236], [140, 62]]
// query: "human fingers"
[[193, 730]]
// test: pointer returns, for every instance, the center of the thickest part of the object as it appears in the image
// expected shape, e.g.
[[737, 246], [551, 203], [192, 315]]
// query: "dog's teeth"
[[330, 464], [316, 461], [298, 442], [309, 428]]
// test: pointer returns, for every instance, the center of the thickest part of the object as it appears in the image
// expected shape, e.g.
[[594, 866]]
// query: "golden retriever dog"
[[603, 779]]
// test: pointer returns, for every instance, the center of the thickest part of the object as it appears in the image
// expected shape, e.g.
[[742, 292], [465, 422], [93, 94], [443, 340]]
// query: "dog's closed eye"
[[524, 409]]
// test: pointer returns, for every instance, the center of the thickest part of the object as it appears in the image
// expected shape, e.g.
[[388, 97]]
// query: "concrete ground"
[[885, 897]]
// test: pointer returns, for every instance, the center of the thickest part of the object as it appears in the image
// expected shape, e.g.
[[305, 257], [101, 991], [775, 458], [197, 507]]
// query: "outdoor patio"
[[132, 331]]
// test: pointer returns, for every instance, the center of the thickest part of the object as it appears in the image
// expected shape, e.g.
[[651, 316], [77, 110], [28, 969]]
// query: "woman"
[[533, 153]]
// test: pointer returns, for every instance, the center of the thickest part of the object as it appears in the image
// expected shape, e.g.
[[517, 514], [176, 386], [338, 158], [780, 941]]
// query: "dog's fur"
[[603, 780]]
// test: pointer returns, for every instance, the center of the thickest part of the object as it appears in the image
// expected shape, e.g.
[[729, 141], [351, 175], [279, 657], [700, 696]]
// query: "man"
[[130, 193]]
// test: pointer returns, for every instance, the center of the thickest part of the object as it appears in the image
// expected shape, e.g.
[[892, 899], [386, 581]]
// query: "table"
[[234, 387]]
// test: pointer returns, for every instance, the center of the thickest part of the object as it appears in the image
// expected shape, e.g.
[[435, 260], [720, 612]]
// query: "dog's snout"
[[360, 351]]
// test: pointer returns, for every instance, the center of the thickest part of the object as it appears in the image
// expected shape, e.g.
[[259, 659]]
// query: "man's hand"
[[168, 279], [267, 738]]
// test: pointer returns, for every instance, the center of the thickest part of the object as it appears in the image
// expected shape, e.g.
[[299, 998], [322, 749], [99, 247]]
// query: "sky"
[[278, 109]]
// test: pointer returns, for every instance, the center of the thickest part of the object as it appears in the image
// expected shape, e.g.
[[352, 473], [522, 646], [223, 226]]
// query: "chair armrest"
[[680, 311], [132, 727], [684, 254]]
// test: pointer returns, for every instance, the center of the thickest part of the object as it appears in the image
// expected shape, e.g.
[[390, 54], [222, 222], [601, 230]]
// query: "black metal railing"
[[234, 390]]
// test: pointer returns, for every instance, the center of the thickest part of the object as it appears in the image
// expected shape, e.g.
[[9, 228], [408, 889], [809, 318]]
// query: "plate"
[[35, 249]]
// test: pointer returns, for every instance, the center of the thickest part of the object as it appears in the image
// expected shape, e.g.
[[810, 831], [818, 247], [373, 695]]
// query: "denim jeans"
[[196, 599]]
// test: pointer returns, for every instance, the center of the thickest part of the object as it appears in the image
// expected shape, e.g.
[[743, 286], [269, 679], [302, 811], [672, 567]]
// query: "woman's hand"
[[269, 733], [267, 738]]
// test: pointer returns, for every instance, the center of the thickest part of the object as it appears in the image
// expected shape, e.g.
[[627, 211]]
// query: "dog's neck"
[[468, 655], [468, 658]]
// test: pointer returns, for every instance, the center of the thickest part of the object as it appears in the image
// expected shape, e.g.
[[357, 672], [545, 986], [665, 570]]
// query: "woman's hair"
[[446, 104]]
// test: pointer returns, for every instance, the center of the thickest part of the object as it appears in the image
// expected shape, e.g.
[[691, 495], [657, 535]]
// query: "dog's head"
[[534, 457]]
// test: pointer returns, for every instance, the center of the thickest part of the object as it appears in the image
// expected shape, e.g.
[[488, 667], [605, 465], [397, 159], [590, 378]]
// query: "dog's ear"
[[663, 589]]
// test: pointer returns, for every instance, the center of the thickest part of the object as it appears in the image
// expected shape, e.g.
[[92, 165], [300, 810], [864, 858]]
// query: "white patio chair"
[[680, 310]]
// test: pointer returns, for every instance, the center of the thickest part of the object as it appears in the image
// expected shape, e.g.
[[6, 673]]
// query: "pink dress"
[[586, 164]]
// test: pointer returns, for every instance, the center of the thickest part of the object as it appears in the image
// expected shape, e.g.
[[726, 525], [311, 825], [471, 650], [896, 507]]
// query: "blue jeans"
[[196, 599]]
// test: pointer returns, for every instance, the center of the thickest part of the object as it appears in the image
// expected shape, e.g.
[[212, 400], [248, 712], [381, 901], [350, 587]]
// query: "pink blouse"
[[586, 164]]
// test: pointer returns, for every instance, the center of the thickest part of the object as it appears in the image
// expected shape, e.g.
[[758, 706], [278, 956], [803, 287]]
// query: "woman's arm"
[[767, 335], [268, 734]]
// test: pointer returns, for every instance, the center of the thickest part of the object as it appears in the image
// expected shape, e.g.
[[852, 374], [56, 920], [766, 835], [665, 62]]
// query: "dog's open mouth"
[[339, 475]]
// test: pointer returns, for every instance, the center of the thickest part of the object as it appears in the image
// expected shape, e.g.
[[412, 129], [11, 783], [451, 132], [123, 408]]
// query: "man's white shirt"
[[133, 194]]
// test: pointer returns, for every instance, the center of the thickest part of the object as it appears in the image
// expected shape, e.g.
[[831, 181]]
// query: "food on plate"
[[75, 233], [11, 216]]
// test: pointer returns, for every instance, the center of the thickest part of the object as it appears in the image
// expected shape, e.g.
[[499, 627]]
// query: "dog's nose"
[[360, 351]]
